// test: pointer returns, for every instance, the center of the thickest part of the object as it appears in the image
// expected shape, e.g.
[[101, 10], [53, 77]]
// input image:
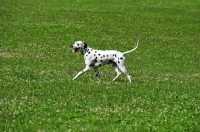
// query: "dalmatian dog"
[[96, 58]]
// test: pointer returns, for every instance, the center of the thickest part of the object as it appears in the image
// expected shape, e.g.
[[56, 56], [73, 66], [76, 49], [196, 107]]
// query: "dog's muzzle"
[[74, 49]]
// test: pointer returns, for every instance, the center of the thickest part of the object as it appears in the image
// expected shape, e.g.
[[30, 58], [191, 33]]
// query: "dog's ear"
[[85, 45]]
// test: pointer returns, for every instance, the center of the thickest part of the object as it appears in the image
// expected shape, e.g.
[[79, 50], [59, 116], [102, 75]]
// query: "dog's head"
[[79, 45]]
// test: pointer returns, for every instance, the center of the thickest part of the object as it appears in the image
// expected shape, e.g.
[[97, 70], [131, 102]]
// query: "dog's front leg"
[[97, 73], [81, 72]]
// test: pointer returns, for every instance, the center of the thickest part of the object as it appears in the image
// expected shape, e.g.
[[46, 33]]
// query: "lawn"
[[37, 65]]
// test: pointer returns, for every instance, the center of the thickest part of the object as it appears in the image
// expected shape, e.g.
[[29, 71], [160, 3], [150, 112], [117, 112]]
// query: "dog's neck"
[[85, 50]]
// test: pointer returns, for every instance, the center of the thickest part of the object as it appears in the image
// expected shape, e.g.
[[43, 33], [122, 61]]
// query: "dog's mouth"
[[75, 50]]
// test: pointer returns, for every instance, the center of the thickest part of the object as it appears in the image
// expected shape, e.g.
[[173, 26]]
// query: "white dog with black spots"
[[96, 58]]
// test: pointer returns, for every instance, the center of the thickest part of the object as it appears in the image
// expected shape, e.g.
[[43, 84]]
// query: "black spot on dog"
[[95, 51], [121, 58], [99, 64], [99, 54], [101, 60], [107, 55], [103, 55], [94, 54], [89, 52], [94, 62], [118, 61]]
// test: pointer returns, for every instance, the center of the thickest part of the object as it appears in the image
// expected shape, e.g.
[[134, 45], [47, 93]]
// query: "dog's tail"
[[132, 49]]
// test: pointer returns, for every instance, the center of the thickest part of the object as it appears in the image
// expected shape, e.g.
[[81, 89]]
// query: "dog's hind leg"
[[116, 68], [81, 72], [97, 73], [123, 69]]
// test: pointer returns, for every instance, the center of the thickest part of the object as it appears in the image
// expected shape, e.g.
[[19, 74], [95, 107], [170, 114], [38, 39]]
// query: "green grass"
[[37, 65]]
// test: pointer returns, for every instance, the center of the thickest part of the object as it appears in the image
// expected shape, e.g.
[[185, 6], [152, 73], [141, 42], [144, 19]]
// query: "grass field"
[[37, 65]]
